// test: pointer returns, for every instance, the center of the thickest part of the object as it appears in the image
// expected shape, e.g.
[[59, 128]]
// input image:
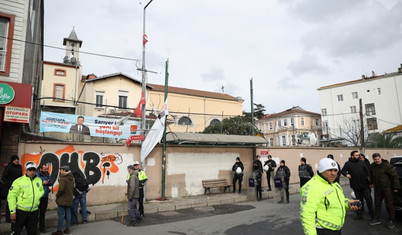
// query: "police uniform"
[[143, 178], [323, 205], [24, 198]]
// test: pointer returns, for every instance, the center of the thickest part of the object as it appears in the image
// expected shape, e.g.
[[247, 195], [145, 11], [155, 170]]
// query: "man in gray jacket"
[[133, 193]]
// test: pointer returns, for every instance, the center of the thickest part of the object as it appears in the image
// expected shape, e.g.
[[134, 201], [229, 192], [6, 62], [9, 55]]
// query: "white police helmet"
[[266, 168], [238, 170]]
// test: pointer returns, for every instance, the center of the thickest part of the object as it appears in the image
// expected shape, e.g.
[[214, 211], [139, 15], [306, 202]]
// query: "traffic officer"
[[23, 201], [323, 205], [143, 178]]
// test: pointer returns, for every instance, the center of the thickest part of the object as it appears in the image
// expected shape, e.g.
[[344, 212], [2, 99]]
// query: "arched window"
[[214, 122], [185, 121]]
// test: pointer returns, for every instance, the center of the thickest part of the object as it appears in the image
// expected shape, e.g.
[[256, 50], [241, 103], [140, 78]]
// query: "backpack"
[[81, 183]]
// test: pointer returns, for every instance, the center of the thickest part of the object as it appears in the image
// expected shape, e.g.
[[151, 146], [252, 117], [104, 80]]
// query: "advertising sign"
[[7, 93], [17, 114]]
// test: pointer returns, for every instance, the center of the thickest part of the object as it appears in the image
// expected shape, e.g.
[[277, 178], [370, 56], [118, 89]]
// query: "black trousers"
[[141, 201], [236, 178], [258, 188], [322, 231], [365, 195], [269, 179], [389, 203], [42, 212], [27, 219], [303, 181]]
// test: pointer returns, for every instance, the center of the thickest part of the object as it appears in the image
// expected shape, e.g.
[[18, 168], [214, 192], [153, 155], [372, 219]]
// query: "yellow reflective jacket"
[[141, 176], [25, 194], [322, 205]]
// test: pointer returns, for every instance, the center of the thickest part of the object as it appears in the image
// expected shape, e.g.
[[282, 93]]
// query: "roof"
[[115, 75], [59, 64], [186, 91], [293, 110], [213, 139], [72, 37], [363, 79], [393, 129]]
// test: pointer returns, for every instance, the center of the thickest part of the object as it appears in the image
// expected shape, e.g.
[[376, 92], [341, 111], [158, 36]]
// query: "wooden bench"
[[217, 183]]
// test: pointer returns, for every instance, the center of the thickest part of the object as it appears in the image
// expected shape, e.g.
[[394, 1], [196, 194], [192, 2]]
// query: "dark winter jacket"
[[44, 177], [257, 169], [283, 172], [133, 186], [64, 196], [384, 176], [11, 173], [359, 174], [271, 165], [305, 171], [236, 165]]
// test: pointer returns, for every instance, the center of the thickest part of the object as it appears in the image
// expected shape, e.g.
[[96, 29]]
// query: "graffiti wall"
[[99, 168]]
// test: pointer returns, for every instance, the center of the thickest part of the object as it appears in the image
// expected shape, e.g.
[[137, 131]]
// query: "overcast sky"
[[289, 47]]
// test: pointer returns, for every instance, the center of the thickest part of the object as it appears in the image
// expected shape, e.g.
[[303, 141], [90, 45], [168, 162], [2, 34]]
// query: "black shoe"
[[131, 224], [281, 201], [84, 222], [42, 230], [269, 189]]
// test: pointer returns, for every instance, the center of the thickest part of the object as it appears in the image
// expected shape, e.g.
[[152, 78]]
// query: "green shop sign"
[[7, 93]]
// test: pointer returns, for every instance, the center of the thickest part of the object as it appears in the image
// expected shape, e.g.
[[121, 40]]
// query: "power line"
[[82, 52]]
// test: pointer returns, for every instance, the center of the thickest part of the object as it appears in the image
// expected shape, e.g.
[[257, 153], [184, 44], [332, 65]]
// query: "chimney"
[[91, 76], [400, 69], [363, 77]]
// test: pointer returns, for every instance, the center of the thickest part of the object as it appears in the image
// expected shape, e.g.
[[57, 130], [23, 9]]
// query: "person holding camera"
[[323, 205]]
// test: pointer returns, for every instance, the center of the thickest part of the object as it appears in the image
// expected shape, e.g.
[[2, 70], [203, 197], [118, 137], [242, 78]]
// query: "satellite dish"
[[65, 59]]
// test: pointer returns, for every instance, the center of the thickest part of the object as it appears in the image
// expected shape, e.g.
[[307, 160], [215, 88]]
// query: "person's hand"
[[395, 190], [46, 182], [348, 176], [13, 216], [371, 185], [353, 207]]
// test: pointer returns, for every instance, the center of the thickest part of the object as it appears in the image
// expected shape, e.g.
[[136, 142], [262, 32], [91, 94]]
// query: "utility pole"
[[143, 70], [361, 126], [164, 135], [252, 113]]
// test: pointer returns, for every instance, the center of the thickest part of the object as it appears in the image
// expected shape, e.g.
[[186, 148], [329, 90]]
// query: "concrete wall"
[[105, 165]]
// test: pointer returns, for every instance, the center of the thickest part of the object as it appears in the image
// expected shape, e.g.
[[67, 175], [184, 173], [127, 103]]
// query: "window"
[[99, 98], [292, 121], [302, 121], [214, 122], [278, 141], [60, 72], [123, 99], [340, 97], [58, 93], [285, 122], [279, 123], [372, 124], [379, 91], [270, 125], [325, 127], [293, 139], [353, 109], [185, 121], [370, 109], [324, 112], [6, 41], [317, 122], [283, 140], [271, 141], [355, 95]]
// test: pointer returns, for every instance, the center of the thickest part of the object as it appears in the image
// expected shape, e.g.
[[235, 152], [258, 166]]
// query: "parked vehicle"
[[397, 163]]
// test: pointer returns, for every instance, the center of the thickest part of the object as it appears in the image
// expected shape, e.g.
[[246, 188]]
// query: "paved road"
[[264, 217]]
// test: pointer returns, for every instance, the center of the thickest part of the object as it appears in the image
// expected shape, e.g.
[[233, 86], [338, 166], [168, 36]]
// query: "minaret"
[[73, 45]]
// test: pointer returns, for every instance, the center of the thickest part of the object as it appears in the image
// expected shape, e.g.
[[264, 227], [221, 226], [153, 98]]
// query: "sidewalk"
[[110, 211]]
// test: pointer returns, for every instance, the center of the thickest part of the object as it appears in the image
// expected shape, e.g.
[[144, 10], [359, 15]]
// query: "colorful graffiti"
[[93, 166]]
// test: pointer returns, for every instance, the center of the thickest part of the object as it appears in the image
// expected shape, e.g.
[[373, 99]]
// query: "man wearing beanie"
[[11, 172], [283, 173], [323, 205], [238, 169], [305, 172]]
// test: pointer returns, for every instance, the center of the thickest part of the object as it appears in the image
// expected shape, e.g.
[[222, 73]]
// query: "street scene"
[[200, 117]]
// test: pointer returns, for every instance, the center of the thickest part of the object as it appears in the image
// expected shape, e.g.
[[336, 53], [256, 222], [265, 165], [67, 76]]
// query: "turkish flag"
[[137, 111]]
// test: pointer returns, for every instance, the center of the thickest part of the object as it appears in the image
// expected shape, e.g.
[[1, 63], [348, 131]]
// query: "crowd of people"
[[27, 196]]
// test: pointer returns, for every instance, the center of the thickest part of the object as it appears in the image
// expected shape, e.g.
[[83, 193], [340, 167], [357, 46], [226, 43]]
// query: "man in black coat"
[[12, 171], [238, 169], [271, 167], [305, 172], [359, 176], [257, 174]]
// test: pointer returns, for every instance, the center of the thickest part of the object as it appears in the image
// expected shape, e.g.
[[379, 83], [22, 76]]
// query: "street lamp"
[[144, 41]]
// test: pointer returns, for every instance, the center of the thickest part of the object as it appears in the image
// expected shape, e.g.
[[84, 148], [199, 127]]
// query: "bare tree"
[[350, 131]]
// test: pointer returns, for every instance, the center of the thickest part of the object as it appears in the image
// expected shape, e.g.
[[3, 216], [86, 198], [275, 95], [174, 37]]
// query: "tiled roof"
[[59, 64], [115, 75], [394, 129], [72, 37], [193, 92], [293, 110], [365, 79]]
